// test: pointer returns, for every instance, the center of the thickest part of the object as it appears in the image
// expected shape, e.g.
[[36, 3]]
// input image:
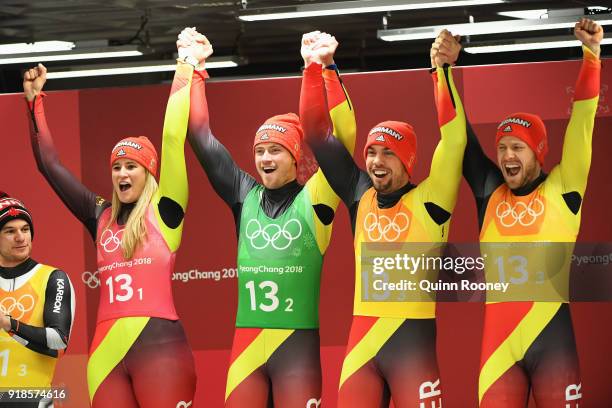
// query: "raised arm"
[[320, 48], [442, 185], [577, 146], [339, 104], [83, 203], [173, 191], [333, 157], [481, 173], [229, 181], [340, 107], [58, 316]]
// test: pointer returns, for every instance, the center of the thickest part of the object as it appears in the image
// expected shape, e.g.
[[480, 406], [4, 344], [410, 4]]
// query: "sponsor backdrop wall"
[[86, 124]]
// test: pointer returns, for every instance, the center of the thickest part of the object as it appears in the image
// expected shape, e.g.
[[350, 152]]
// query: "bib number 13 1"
[[120, 288], [271, 301]]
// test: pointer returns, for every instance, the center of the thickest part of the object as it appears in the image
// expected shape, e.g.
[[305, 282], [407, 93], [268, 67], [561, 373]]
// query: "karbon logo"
[[57, 305], [384, 228]]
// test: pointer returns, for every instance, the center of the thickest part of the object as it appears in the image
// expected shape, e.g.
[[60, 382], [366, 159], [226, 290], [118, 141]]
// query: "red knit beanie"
[[140, 149], [398, 137], [527, 127], [284, 130]]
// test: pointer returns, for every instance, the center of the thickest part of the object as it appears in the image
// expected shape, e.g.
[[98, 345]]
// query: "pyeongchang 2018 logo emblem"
[[274, 235], [384, 228], [111, 241], [519, 213], [17, 308]]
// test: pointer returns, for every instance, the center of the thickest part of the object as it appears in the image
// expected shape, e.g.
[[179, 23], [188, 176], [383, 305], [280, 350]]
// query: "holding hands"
[[193, 47], [318, 47], [445, 50]]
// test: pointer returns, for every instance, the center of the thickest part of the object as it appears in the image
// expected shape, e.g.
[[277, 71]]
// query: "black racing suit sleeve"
[[230, 182], [83, 203], [57, 316], [482, 175], [344, 176]]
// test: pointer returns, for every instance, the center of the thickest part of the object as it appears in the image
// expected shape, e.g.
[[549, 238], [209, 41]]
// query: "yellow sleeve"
[[577, 146], [442, 185], [173, 171]]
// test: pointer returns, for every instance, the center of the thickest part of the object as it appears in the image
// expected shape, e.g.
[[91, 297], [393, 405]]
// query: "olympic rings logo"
[[521, 213], [273, 234], [9, 305], [91, 279], [383, 227], [111, 241]]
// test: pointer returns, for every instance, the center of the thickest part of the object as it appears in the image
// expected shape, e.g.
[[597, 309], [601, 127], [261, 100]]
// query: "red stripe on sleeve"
[[588, 83]]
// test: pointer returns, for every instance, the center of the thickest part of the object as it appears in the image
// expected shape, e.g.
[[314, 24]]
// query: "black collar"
[[16, 271], [278, 195], [529, 187], [275, 202], [124, 213], [390, 199]]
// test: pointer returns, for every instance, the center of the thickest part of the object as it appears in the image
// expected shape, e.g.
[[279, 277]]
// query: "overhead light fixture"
[[525, 14], [354, 7], [135, 68], [489, 27], [527, 44], [74, 54], [41, 46]]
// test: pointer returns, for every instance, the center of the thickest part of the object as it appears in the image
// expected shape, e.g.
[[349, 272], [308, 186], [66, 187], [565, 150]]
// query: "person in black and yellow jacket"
[[36, 305], [391, 350], [530, 345]]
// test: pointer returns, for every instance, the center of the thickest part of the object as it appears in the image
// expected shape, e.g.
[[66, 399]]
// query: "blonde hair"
[[135, 231]]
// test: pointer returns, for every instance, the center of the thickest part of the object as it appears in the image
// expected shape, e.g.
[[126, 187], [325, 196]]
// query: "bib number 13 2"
[[271, 301], [120, 288]]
